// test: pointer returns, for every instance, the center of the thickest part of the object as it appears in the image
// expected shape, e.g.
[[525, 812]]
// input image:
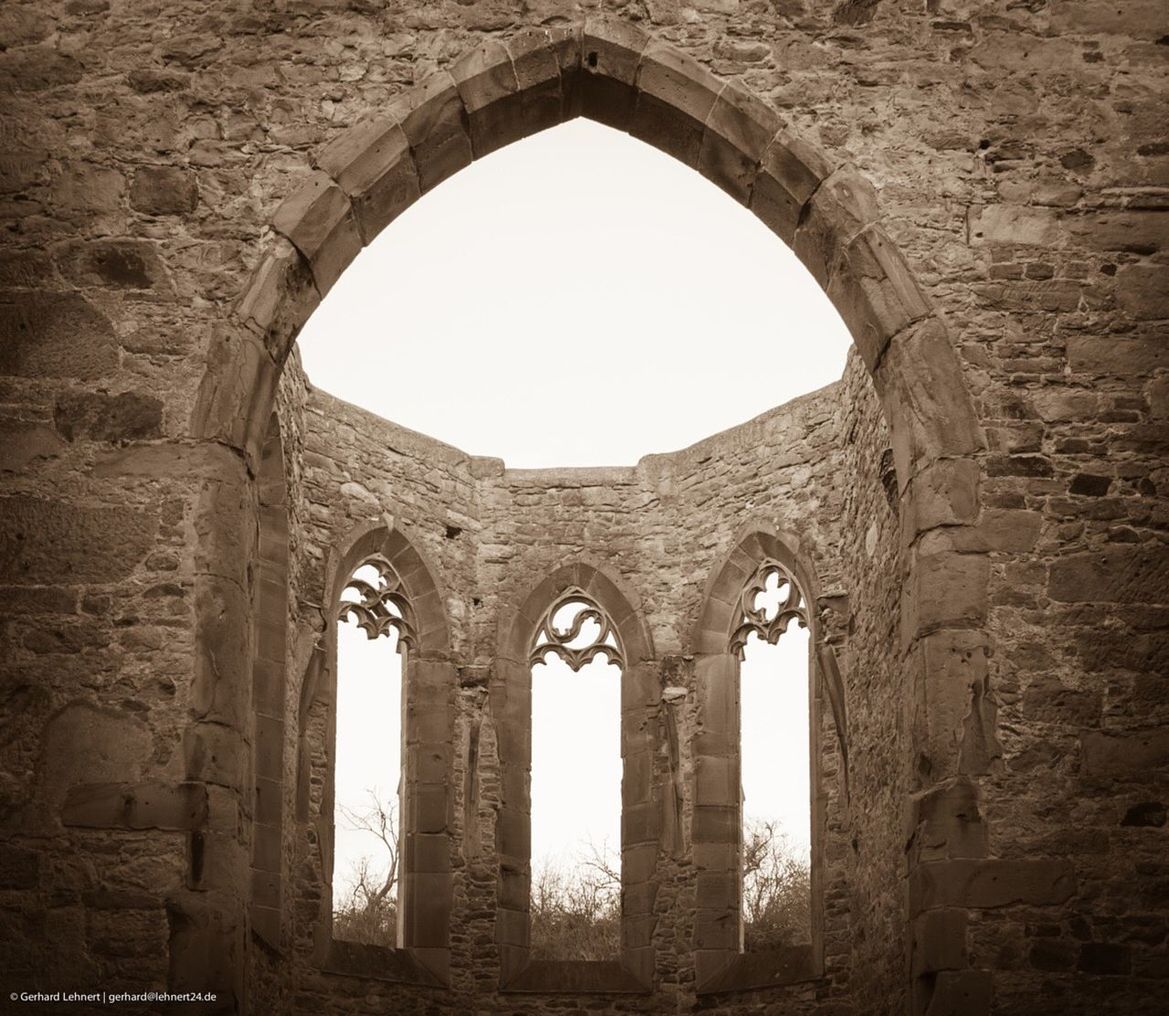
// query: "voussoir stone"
[[318, 219]]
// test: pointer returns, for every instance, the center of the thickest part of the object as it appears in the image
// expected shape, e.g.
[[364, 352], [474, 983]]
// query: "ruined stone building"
[[975, 514]]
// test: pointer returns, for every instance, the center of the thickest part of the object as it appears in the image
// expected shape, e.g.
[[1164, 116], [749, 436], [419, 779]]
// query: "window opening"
[[775, 761], [577, 661], [373, 631]]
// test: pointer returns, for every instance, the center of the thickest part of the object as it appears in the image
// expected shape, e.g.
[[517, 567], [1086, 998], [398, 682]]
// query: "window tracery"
[[374, 599], [770, 601], [578, 630]]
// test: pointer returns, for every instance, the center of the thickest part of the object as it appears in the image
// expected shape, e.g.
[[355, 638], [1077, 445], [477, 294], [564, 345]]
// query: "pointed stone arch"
[[511, 698], [425, 828], [718, 816], [616, 73]]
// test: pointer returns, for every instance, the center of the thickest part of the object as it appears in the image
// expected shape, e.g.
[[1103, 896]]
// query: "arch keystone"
[[610, 55], [547, 65]]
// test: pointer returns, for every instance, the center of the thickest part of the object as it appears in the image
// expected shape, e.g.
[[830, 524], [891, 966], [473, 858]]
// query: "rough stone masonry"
[[977, 511]]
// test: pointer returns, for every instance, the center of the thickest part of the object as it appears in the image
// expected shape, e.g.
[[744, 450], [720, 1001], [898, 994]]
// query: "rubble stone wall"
[[981, 189], [659, 532]]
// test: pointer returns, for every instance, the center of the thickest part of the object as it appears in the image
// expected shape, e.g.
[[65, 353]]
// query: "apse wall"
[[817, 469], [169, 227]]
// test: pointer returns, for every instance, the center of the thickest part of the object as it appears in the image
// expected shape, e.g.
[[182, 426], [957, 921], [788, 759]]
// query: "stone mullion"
[[427, 810], [511, 714], [641, 815], [716, 825]]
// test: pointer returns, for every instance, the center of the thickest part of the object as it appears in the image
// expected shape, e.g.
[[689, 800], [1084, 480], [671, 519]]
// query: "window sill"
[[776, 968], [378, 963], [576, 977]]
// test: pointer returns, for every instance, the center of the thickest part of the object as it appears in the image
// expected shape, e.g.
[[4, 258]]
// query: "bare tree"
[[576, 914], [367, 909], [776, 890]]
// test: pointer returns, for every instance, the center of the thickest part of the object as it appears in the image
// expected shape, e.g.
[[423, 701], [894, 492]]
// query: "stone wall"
[[660, 531], [981, 189]]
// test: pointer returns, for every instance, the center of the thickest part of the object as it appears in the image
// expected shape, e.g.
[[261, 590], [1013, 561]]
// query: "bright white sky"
[[577, 298]]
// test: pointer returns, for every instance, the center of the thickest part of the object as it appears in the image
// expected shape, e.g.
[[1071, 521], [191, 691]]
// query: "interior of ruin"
[[971, 522]]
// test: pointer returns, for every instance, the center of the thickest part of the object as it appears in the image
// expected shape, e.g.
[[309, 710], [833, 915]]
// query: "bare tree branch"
[[366, 910]]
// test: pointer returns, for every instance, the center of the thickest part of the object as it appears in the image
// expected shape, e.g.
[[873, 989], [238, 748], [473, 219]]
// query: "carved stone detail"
[[380, 606], [550, 638], [769, 623]]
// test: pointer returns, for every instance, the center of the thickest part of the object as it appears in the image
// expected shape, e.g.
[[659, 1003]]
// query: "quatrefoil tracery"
[[378, 604], [572, 643], [768, 623]]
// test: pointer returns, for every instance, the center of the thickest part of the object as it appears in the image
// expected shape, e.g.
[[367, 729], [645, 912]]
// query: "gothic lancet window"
[[577, 661], [771, 641], [374, 620]]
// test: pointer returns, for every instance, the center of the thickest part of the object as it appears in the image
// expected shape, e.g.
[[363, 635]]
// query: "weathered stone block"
[[842, 205], [36, 69], [944, 591], [116, 264], [951, 721], [1106, 958], [164, 190], [990, 883], [215, 754], [716, 824], [1143, 291], [716, 780], [19, 868], [739, 128], [962, 993], [128, 416], [999, 530], [486, 80], [55, 335], [1013, 225], [946, 822], [50, 542], [939, 941], [1109, 354], [373, 165], [181, 806], [920, 384], [788, 174], [434, 120], [21, 444], [875, 293], [1123, 754], [610, 54], [675, 97], [319, 220], [220, 689], [641, 824], [1128, 574], [944, 493]]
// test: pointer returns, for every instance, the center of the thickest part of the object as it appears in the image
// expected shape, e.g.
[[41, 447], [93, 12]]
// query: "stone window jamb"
[[426, 804]]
